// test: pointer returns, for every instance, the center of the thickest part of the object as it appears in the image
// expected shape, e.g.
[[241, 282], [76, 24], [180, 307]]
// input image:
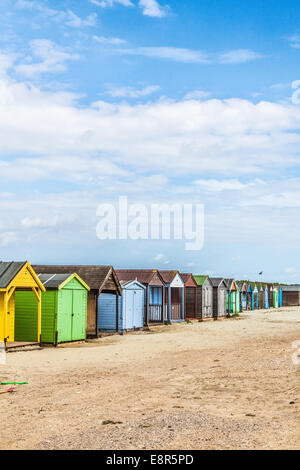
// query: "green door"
[[238, 301], [79, 315], [64, 320], [275, 296], [233, 302]]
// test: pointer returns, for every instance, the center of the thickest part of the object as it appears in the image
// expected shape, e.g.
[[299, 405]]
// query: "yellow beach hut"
[[16, 276]]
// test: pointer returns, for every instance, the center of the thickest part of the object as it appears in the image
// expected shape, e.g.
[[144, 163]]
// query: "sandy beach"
[[229, 384]]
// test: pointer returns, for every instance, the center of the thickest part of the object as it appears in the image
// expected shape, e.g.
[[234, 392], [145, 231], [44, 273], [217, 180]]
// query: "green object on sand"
[[14, 383]]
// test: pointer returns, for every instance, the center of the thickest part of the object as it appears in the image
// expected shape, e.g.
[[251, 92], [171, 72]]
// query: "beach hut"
[[290, 296], [64, 310], [132, 302], [280, 296], [275, 297], [190, 296], [15, 276], [233, 297], [153, 294], [250, 297], [174, 298], [243, 288], [270, 295], [255, 297], [204, 297], [219, 297], [261, 296], [103, 297], [266, 295]]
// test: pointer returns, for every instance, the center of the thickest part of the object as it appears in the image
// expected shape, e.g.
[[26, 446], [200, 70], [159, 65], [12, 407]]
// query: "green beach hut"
[[64, 310], [275, 297], [233, 299]]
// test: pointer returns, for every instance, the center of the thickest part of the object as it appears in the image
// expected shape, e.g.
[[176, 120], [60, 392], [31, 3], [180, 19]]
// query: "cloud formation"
[[66, 17], [130, 92], [52, 58], [152, 8]]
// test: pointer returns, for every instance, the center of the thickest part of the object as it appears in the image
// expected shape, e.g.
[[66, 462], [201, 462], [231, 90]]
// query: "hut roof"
[[168, 276], [200, 280], [131, 281], [186, 276], [94, 276], [8, 271], [216, 281], [56, 281], [229, 281], [142, 275]]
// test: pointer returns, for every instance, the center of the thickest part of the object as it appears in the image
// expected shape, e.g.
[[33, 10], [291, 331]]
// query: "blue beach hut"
[[153, 294], [174, 298]]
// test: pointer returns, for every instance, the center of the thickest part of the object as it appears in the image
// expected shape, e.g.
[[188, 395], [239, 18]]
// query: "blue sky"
[[182, 101]]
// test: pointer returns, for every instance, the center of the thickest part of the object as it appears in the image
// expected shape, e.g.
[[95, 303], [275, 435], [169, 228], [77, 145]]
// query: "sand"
[[229, 384]]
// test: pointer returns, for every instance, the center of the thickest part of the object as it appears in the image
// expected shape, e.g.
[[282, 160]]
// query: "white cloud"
[[239, 56], [294, 41], [281, 86], [152, 8], [197, 95], [192, 56], [8, 238], [6, 62], [165, 137], [109, 41], [129, 92], [277, 200], [68, 17], [52, 58], [38, 222], [74, 169], [171, 53], [210, 185], [111, 3], [289, 270], [76, 22], [159, 257]]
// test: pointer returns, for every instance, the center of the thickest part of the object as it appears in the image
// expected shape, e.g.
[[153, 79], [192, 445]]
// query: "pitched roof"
[[56, 281], [242, 285], [168, 276], [216, 281], [8, 271], [185, 276], [125, 284], [200, 280], [94, 276], [144, 276], [53, 281], [229, 281]]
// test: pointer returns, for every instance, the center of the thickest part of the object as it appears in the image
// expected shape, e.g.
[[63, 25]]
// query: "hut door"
[[128, 314], [107, 310], [138, 309], [222, 302], [78, 315], [11, 319], [64, 323], [210, 301], [190, 302]]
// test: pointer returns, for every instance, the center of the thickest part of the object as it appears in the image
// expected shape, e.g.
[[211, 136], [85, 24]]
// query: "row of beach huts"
[[56, 304]]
